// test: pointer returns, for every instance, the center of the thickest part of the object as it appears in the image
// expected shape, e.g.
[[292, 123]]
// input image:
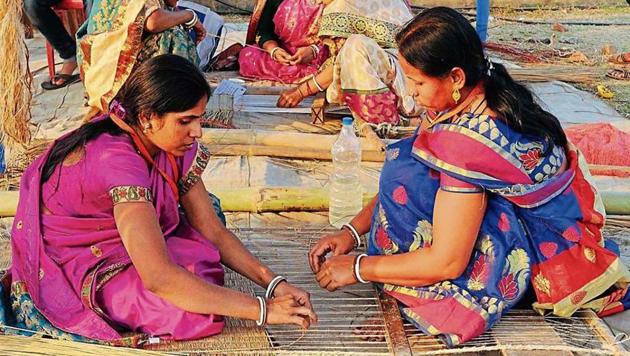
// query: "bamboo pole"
[[248, 199], [280, 199], [286, 152], [257, 200], [616, 203], [8, 203], [274, 138]]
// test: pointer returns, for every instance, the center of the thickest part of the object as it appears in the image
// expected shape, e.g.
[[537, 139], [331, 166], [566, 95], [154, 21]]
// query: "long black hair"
[[162, 84], [440, 39]]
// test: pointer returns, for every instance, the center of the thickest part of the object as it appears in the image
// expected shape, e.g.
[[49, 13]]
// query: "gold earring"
[[456, 95], [146, 127]]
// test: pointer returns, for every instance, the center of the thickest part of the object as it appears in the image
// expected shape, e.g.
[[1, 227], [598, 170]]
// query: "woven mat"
[[342, 313]]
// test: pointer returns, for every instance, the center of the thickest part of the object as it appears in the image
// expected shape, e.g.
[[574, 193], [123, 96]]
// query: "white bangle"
[[353, 232], [262, 317], [272, 286], [319, 87], [190, 24], [315, 49], [272, 52], [357, 264]]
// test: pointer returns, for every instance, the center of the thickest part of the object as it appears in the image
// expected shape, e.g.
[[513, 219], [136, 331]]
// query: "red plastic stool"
[[62, 6]]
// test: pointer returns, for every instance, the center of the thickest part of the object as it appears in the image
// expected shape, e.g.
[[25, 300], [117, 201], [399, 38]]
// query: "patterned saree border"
[[450, 339], [24, 307], [421, 323], [130, 193], [615, 273], [366, 92], [441, 165], [193, 175], [340, 24], [126, 59], [519, 198], [484, 141]]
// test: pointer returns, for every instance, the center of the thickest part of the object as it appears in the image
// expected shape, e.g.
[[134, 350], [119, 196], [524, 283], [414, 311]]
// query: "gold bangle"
[[273, 51]]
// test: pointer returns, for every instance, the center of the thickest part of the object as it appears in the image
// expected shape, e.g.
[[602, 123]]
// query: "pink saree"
[[296, 24], [68, 257]]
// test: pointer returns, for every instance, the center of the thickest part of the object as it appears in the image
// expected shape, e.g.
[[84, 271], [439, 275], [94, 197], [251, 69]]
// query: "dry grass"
[[15, 81]]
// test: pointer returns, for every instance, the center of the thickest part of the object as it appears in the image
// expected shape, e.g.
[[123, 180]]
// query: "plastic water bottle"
[[346, 194]]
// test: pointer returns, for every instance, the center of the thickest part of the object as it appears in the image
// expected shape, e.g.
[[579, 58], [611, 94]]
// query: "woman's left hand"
[[336, 272], [303, 55], [200, 32], [300, 295]]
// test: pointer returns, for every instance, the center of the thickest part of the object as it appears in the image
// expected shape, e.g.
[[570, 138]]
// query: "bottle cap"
[[347, 120]]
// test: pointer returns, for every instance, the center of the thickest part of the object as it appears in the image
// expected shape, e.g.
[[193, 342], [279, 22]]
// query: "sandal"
[[67, 79], [619, 74], [619, 59]]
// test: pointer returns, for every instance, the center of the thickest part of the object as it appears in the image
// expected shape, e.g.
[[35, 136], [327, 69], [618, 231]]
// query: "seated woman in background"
[[288, 47], [362, 76], [485, 202], [119, 34], [100, 243]]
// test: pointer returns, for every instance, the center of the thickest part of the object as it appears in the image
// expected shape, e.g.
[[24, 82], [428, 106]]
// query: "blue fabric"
[[216, 203], [498, 274], [483, 13], [3, 166], [530, 231], [6, 316]]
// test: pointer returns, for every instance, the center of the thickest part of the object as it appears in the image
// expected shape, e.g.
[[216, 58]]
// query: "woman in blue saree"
[[487, 200]]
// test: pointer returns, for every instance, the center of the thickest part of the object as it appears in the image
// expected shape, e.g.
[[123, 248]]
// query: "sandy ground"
[[590, 40]]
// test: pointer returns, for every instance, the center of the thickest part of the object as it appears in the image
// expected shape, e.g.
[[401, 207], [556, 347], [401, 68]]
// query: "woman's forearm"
[[189, 292], [161, 20], [234, 254], [142, 237], [453, 241], [418, 268]]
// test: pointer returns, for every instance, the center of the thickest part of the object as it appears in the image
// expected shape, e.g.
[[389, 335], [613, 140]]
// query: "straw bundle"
[[568, 74], [15, 81]]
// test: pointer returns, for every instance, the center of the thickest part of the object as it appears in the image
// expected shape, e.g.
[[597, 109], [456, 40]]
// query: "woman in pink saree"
[[115, 230], [288, 47], [362, 72]]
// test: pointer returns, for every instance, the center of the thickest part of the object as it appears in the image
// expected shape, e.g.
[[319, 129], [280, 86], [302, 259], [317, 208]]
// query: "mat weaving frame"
[[341, 313]]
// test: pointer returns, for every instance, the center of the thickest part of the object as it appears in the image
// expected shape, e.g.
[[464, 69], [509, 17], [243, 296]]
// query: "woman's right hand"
[[286, 309], [281, 56], [290, 98], [339, 243], [200, 32]]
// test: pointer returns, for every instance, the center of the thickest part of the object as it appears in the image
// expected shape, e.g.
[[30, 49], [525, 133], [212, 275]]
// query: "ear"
[[155, 120], [458, 76], [143, 118]]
